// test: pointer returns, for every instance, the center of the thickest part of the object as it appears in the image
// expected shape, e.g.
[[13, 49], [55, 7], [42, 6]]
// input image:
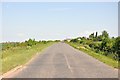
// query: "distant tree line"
[[101, 44], [28, 43]]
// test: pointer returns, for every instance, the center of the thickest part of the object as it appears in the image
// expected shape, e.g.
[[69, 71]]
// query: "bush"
[[74, 40]]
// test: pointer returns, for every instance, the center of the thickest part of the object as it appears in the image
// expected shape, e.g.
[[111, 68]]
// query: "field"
[[14, 56]]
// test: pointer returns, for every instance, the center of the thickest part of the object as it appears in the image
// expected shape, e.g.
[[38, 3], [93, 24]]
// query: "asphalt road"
[[63, 61]]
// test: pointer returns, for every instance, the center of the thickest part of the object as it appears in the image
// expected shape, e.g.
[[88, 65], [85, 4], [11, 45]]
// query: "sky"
[[57, 20]]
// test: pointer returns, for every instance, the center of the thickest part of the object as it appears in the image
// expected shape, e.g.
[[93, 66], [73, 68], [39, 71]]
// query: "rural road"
[[63, 61]]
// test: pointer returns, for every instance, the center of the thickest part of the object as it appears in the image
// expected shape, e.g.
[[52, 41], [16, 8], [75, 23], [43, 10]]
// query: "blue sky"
[[57, 20]]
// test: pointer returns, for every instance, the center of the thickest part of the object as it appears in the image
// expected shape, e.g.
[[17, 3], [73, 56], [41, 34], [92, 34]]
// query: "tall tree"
[[105, 34], [96, 35], [91, 36], [117, 47]]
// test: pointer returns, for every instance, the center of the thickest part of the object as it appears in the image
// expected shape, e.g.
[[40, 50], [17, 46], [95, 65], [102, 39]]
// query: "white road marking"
[[68, 64]]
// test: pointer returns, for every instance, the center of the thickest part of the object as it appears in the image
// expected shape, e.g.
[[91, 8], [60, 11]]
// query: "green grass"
[[100, 57], [0, 60], [20, 55]]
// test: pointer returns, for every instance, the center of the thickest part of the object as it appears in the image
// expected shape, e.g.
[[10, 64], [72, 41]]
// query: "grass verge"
[[20, 55], [98, 56]]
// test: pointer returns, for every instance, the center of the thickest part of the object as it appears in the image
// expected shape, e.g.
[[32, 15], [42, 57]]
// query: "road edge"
[[20, 67]]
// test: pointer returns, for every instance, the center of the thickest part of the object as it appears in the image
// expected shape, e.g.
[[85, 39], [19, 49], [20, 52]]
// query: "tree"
[[104, 45], [105, 34], [31, 42], [74, 40], [117, 47], [83, 38], [100, 38], [91, 36], [44, 41], [107, 45], [96, 35]]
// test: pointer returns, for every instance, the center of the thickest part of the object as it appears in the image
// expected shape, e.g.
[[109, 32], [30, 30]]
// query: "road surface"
[[63, 61]]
